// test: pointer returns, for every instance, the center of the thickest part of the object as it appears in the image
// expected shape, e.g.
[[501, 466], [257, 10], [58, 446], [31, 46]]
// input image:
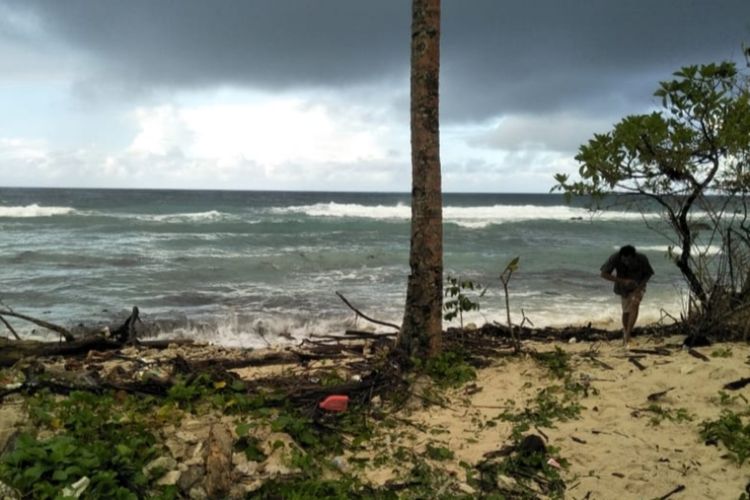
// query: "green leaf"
[[242, 429]]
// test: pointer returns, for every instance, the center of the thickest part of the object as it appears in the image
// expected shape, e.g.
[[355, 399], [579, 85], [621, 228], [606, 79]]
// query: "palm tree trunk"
[[421, 331]]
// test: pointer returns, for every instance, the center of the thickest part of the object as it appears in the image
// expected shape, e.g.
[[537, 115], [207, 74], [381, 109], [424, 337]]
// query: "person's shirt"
[[635, 267]]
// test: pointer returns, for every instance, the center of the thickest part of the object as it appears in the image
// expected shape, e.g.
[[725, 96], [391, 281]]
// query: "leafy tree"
[[422, 329], [692, 159]]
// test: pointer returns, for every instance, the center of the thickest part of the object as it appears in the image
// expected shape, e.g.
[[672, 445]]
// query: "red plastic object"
[[336, 402]]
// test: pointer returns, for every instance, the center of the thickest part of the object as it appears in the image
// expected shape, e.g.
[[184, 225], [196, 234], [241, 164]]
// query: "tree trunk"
[[421, 331]]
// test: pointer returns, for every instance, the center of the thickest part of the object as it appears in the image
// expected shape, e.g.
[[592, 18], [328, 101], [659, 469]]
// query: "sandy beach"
[[616, 449], [631, 428]]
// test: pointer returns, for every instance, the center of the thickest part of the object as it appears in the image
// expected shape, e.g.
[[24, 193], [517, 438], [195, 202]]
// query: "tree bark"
[[421, 331]]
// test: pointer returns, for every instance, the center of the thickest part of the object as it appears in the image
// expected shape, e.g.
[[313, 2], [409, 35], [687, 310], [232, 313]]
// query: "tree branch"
[[363, 315], [44, 324]]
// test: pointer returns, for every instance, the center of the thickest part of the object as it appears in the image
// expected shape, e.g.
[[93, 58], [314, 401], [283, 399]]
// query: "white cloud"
[[270, 132], [561, 132]]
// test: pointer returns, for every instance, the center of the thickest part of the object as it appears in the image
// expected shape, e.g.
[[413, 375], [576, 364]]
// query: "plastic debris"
[[335, 403], [76, 489], [553, 463]]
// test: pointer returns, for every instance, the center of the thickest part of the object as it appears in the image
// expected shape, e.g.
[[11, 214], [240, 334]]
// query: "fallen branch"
[[44, 324], [363, 315], [9, 327]]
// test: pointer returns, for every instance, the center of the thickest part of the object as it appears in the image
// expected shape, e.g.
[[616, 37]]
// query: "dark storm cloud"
[[520, 56]]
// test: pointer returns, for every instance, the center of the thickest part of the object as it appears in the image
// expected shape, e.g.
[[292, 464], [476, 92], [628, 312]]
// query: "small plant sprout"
[[462, 296], [505, 276]]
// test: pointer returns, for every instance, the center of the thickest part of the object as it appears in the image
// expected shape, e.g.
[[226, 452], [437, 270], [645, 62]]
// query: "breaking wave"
[[33, 210], [470, 217]]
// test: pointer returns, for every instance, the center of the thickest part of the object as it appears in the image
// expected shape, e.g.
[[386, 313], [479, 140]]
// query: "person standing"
[[630, 271]]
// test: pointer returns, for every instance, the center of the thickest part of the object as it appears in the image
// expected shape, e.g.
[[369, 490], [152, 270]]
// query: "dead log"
[[12, 352]]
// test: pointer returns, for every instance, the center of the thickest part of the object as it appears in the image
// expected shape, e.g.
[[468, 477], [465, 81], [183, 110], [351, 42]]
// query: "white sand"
[[623, 455]]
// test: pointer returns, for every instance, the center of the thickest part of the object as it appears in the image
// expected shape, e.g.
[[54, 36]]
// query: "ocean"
[[244, 268]]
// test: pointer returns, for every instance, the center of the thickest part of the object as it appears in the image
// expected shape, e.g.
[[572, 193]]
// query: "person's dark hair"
[[627, 251]]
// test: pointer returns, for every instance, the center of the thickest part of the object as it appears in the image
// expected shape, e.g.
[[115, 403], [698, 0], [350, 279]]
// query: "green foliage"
[[697, 144], [429, 482], [660, 414], [439, 452], [722, 352], [524, 468], [703, 115], [201, 392], [300, 428], [449, 369], [550, 404], [557, 362], [100, 437], [726, 399], [462, 296], [730, 430], [250, 445], [316, 488]]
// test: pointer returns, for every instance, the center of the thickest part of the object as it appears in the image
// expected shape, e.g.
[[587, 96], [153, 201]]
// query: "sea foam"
[[33, 210], [476, 217]]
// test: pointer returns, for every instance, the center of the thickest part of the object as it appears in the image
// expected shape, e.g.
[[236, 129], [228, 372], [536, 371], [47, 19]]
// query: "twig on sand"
[[659, 351], [737, 384], [658, 395], [674, 491], [698, 355], [637, 363], [363, 315]]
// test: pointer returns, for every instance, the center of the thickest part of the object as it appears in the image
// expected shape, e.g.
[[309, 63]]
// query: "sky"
[[314, 94]]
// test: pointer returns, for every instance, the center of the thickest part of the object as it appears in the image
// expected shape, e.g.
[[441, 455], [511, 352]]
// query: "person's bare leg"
[[633, 317], [625, 328]]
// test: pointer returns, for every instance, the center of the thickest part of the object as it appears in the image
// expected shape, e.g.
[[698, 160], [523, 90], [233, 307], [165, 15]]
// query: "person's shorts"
[[631, 301]]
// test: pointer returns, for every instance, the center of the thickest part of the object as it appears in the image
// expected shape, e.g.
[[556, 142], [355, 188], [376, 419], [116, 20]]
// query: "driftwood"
[[13, 351], [39, 322]]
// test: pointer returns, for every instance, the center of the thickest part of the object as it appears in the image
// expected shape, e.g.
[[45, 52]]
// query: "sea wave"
[[180, 217], [33, 210], [208, 216], [470, 217], [697, 249]]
